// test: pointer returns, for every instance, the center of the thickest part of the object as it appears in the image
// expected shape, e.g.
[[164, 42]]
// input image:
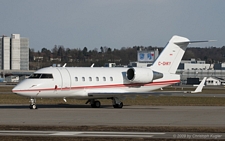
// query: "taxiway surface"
[[83, 115]]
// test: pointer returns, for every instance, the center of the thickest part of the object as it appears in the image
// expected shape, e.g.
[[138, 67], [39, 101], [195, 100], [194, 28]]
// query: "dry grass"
[[6, 88], [152, 100], [117, 128]]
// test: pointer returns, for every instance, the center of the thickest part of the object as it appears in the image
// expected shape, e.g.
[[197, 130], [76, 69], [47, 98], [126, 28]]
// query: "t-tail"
[[170, 58]]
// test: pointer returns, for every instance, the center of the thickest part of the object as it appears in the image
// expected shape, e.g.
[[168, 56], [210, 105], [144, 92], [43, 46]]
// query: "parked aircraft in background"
[[94, 83]]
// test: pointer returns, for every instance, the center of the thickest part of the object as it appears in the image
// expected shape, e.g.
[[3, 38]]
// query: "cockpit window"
[[46, 76], [41, 76], [35, 75]]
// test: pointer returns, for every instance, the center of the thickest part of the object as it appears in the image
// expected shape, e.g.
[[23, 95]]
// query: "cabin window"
[[104, 79], [111, 78], [83, 78], [76, 78], [97, 79], [90, 79]]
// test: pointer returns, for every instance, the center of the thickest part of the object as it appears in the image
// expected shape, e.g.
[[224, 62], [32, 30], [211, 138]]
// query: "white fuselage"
[[77, 82], [93, 83]]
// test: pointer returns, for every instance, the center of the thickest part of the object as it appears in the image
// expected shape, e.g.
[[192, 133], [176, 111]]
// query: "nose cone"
[[21, 88], [27, 88], [16, 89]]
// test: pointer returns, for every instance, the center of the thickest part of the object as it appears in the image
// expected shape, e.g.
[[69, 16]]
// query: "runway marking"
[[108, 134], [66, 133], [81, 134], [165, 135]]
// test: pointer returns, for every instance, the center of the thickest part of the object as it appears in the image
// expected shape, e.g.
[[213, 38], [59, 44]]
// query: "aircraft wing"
[[152, 93], [131, 94]]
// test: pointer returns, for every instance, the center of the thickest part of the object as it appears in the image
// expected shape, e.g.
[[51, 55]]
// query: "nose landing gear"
[[33, 103]]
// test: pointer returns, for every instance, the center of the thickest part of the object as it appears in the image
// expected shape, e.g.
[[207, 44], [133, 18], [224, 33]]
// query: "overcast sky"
[[112, 23]]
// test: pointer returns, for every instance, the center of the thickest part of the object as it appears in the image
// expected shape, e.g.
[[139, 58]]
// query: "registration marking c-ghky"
[[164, 63]]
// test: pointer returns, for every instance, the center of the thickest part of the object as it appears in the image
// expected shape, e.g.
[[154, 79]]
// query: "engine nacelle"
[[142, 75]]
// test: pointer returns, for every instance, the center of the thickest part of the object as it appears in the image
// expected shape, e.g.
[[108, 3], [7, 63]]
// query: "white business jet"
[[94, 83]]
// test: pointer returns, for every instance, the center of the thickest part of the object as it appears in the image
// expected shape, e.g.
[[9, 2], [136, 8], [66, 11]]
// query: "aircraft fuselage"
[[77, 82]]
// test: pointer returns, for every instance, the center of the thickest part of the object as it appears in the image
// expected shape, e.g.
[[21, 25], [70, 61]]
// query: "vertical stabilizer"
[[171, 56]]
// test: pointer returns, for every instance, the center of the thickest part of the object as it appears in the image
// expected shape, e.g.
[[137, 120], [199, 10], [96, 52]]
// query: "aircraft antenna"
[[64, 65]]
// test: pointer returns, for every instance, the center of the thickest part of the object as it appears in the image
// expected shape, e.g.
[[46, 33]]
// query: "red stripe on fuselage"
[[104, 86]]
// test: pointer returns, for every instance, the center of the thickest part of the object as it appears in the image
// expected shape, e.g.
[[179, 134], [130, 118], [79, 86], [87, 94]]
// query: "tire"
[[96, 104], [34, 106], [93, 106], [115, 106], [118, 105]]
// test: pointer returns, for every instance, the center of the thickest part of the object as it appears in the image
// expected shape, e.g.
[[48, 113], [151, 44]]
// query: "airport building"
[[14, 53], [191, 71], [145, 58], [5, 53]]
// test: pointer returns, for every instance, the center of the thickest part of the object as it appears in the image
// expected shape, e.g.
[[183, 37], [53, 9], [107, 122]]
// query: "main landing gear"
[[97, 104], [94, 103], [117, 103], [33, 103], [120, 105]]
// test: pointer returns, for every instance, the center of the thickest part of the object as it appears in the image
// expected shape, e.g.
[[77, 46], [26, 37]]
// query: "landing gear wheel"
[[32, 104], [34, 107], [120, 105], [96, 104]]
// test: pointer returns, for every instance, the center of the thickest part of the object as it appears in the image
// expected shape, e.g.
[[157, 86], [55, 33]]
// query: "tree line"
[[84, 57]]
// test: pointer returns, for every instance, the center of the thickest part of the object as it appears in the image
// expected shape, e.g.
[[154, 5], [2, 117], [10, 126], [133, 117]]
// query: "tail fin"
[[172, 54]]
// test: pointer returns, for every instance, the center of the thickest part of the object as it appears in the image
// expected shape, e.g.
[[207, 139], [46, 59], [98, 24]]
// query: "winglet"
[[200, 86], [92, 65]]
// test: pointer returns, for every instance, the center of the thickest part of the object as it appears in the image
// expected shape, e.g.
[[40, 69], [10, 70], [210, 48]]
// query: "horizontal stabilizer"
[[191, 42]]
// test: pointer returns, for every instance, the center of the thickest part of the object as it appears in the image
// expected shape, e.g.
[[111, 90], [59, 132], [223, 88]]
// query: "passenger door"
[[65, 77]]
